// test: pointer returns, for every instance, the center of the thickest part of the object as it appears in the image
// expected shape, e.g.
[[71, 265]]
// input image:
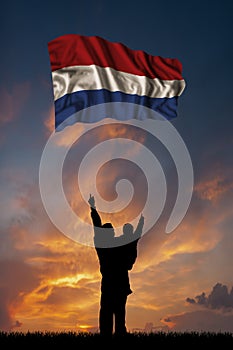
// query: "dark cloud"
[[17, 324], [201, 321], [202, 299], [215, 314], [219, 298], [190, 300]]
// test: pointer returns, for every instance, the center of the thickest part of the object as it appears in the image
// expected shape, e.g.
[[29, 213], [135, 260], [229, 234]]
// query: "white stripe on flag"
[[79, 78]]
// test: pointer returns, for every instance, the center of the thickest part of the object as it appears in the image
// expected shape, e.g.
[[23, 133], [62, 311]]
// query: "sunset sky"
[[180, 281]]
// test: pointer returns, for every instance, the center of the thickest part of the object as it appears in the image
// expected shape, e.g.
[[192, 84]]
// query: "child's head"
[[128, 229]]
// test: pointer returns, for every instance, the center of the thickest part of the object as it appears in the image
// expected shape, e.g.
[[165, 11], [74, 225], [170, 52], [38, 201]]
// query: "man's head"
[[128, 229], [109, 229]]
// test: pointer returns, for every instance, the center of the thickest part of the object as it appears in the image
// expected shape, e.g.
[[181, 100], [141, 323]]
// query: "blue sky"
[[199, 34]]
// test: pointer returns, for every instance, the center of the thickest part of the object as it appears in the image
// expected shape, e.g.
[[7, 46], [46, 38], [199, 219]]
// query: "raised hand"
[[91, 201]]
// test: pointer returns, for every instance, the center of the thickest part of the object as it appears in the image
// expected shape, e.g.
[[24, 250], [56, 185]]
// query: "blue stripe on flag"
[[72, 103]]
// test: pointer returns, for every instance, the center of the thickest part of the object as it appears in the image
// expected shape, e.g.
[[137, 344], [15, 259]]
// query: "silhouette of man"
[[116, 257]]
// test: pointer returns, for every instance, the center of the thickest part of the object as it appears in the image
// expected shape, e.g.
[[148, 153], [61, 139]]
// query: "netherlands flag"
[[89, 70]]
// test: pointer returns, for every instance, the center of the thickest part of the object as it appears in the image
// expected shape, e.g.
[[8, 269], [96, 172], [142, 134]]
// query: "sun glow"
[[70, 281]]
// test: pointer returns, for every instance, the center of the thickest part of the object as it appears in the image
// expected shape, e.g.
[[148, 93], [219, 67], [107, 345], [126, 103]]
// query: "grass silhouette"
[[134, 339]]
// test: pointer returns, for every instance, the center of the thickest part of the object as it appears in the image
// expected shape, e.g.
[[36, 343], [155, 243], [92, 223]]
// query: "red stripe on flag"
[[74, 50]]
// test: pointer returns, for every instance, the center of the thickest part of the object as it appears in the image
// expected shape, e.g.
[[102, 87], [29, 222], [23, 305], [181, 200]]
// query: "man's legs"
[[120, 314], [106, 315]]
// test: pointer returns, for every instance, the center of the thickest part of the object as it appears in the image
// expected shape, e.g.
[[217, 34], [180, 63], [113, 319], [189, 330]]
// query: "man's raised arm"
[[96, 220], [138, 231]]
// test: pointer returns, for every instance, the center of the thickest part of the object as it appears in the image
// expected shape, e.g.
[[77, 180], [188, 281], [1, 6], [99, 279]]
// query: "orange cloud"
[[49, 121], [213, 188], [101, 132], [67, 284]]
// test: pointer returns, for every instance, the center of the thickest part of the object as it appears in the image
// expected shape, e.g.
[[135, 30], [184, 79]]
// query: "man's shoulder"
[[126, 241]]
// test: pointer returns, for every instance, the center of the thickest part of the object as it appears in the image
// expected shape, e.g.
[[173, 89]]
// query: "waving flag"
[[89, 70]]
